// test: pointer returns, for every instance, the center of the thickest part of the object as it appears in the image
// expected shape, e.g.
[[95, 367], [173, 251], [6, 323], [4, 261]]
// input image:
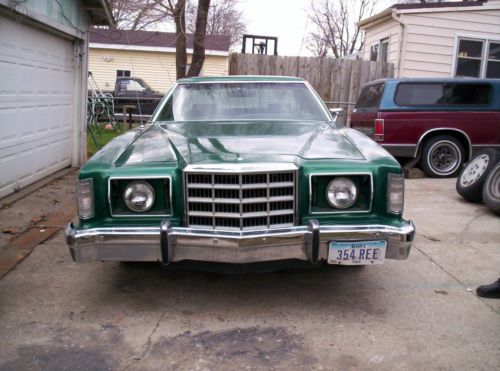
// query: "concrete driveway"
[[416, 314]]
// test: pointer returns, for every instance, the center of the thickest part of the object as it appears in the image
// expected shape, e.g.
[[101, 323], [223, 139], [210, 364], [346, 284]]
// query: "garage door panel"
[[36, 103], [9, 78]]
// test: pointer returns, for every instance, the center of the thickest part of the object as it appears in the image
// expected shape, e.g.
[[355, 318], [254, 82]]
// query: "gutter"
[[396, 16]]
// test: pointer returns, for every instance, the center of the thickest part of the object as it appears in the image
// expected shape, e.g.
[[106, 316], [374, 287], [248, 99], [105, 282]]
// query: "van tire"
[[491, 190], [472, 177], [442, 157]]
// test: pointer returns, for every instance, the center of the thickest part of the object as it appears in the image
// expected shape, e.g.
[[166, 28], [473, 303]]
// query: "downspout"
[[396, 16]]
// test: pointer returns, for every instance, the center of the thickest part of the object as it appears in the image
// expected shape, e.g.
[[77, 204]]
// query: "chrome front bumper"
[[172, 244]]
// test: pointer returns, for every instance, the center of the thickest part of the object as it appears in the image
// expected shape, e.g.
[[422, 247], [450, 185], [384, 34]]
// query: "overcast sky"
[[286, 19]]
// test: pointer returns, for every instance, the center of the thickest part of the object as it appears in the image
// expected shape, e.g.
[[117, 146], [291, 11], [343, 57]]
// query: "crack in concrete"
[[455, 278], [147, 344], [430, 238], [467, 226]]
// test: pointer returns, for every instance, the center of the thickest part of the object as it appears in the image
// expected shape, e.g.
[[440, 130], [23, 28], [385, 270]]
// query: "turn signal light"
[[396, 193], [85, 195]]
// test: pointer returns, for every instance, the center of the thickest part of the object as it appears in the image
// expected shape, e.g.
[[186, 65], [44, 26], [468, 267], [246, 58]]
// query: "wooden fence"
[[338, 81]]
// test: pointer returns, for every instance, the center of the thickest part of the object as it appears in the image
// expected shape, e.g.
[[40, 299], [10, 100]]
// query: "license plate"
[[356, 253]]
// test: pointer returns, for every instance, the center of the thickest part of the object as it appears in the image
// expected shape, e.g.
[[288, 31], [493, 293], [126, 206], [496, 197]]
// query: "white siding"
[[430, 38], [390, 29], [156, 68]]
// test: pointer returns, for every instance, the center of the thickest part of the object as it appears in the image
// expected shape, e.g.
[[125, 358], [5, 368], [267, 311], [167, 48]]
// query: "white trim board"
[[152, 49]]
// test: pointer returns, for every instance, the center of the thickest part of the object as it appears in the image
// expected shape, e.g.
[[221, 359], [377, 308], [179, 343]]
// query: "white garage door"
[[36, 104]]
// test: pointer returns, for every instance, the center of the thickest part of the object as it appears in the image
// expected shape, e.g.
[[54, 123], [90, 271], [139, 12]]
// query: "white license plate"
[[356, 253]]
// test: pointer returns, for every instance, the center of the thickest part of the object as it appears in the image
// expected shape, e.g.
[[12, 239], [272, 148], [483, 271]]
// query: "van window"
[[370, 96], [411, 94]]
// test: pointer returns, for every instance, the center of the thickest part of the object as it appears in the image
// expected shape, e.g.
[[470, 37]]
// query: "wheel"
[[491, 190], [471, 179], [442, 157]]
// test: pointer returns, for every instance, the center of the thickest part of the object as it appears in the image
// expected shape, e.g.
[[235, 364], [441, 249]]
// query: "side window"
[[131, 86], [411, 94], [465, 94], [166, 113], [369, 99], [419, 94]]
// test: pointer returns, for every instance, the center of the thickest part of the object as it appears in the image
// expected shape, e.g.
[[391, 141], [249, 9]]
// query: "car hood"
[[205, 142]]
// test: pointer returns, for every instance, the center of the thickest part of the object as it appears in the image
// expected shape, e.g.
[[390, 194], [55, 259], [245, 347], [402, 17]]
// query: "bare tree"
[[335, 30], [135, 14], [224, 18], [140, 14], [199, 38]]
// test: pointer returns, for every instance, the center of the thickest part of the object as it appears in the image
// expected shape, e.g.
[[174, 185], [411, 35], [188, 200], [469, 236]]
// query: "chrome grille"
[[242, 201]]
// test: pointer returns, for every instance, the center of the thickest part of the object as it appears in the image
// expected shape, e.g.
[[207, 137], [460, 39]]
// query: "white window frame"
[[370, 51], [379, 44], [484, 57]]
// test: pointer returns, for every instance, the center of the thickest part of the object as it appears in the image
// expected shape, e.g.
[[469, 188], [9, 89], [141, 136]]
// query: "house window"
[[379, 52], [374, 52], [493, 64], [478, 58], [122, 73], [384, 50]]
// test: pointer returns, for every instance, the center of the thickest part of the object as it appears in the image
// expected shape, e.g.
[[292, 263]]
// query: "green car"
[[243, 172]]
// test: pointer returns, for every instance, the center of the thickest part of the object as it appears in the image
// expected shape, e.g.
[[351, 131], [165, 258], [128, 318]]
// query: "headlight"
[[341, 193], [85, 196], [396, 194], [139, 196]]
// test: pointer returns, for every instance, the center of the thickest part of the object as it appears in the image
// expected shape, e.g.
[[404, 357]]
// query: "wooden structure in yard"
[[338, 81]]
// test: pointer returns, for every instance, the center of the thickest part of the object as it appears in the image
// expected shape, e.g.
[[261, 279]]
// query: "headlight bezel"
[[149, 204], [335, 203]]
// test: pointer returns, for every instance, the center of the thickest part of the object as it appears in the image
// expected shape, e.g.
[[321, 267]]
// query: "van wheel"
[[471, 179], [491, 190], [442, 157]]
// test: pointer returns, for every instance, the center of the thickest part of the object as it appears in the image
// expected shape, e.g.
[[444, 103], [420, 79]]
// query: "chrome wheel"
[[494, 185], [444, 157], [474, 170]]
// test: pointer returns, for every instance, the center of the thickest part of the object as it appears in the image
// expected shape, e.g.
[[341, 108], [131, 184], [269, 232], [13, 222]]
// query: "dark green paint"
[[165, 149]]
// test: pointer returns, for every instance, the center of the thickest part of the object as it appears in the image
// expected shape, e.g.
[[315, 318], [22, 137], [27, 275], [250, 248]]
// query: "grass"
[[102, 137]]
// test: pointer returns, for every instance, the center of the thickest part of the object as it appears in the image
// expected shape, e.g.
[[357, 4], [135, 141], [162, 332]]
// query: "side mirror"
[[336, 113]]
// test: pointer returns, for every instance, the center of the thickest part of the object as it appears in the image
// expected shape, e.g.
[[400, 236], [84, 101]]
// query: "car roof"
[[436, 80], [245, 78]]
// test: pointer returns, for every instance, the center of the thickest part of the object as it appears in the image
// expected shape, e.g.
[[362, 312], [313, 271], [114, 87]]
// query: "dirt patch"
[[248, 348], [36, 357]]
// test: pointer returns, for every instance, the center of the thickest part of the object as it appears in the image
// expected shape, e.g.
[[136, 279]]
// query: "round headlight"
[[139, 196], [341, 193]]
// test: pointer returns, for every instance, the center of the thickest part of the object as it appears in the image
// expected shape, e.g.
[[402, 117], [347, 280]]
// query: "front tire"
[[472, 177], [491, 190], [442, 157]]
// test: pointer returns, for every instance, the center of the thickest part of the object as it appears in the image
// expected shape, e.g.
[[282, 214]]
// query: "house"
[[148, 55], [43, 82], [449, 39]]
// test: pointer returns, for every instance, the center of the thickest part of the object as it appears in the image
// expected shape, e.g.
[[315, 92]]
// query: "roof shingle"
[[153, 38]]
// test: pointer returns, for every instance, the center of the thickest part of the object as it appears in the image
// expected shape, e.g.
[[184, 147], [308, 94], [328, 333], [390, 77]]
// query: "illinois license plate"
[[356, 253]]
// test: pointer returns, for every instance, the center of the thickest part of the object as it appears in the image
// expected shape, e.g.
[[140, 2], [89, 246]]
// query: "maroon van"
[[438, 122]]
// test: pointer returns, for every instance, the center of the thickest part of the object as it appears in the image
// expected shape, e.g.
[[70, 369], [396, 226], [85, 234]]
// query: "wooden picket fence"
[[338, 81]]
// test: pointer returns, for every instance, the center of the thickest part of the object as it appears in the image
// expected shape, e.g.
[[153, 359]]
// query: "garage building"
[[43, 74]]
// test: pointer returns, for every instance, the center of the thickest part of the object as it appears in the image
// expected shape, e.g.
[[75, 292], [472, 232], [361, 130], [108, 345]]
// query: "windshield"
[[241, 101]]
